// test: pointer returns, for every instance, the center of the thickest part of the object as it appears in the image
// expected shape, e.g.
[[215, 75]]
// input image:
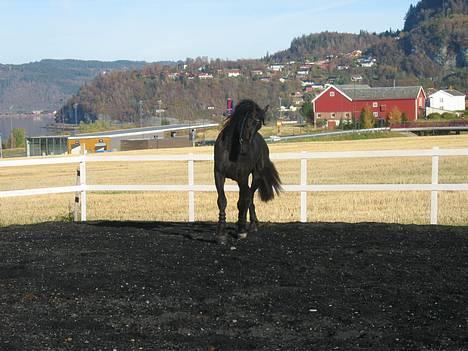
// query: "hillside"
[[433, 45], [432, 49], [319, 45], [46, 84], [197, 92]]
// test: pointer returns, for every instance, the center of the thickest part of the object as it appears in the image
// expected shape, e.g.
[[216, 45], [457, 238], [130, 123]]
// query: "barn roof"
[[380, 93]]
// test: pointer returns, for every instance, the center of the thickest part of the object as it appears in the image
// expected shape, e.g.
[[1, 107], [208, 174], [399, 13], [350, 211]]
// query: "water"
[[33, 125]]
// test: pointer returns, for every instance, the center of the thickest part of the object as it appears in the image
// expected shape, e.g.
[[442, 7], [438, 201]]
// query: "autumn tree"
[[394, 116], [367, 118]]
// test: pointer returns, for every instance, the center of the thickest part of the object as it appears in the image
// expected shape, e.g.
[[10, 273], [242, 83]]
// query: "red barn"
[[342, 102]]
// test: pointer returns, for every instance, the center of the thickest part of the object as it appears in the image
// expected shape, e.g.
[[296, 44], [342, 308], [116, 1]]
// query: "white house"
[[205, 76], [233, 72], [276, 67], [447, 100]]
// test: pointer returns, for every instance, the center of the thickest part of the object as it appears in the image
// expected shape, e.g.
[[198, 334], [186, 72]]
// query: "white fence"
[[303, 188]]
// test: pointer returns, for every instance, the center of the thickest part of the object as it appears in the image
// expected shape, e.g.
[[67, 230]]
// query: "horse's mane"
[[240, 112], [232, 125]]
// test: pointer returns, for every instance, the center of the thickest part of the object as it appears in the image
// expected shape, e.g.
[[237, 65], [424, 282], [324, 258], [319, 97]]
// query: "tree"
[[367, 118], [394, 116], [404, 117], [16, 138], [307, 111]]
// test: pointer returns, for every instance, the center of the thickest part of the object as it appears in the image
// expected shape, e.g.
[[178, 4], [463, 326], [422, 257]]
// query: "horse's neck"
[[229, 136]]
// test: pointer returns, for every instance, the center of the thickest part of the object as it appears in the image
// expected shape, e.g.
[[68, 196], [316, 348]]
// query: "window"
[[376, 114], [383, 108], [319, 115], [375, 104], [333, 115], [332, 93], [441, 99]]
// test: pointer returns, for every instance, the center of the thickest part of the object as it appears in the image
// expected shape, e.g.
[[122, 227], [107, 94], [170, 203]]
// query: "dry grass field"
[[395, 207]]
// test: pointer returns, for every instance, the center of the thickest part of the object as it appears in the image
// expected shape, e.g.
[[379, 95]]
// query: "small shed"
[[46, 145]]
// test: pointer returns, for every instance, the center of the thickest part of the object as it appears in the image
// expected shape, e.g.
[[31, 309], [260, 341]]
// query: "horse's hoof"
[[253, 227], [221, 239], [241, 235]]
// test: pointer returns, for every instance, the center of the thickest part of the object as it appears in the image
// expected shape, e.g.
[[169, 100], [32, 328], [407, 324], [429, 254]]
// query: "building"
[[46, 145], [276, 67], [446, 100], [233, 73], [176, 135], [343, 102], [205, 76]]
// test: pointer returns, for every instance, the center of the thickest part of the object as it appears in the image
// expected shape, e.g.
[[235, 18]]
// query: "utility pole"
[[11, 126], [75, 107], [280, 107], [159, 108], [140, 111], [11, 132]]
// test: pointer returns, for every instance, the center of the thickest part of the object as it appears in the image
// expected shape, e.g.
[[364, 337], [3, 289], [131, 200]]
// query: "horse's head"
[[251, 123]]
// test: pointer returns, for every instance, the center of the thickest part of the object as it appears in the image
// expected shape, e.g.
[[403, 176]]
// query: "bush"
[[448, 115], [434, 115]]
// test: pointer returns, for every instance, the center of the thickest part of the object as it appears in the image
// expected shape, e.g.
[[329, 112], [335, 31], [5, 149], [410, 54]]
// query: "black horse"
[[240, 151]]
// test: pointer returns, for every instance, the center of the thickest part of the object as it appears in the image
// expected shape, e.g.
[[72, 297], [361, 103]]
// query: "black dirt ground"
[[168, 286]]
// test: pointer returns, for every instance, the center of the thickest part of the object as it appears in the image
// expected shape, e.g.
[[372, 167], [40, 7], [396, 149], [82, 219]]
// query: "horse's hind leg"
[[222, 202]]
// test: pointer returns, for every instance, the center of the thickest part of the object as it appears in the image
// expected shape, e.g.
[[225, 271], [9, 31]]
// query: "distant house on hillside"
[[234, 72], [205, 76], [446, 100], [342, 102], [297, 98], [276, 67], [256, 72], [367, 61]]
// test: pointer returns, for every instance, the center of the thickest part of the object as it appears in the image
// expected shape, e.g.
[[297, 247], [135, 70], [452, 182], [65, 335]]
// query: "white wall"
[[444, 101]]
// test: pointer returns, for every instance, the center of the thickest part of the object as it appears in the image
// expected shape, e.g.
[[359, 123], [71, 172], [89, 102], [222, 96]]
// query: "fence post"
[[435, 180], [303, 193], [83, 187], [191, 194], [77, 196]]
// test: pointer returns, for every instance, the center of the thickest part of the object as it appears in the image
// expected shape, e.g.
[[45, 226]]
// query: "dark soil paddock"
[[168, 286]]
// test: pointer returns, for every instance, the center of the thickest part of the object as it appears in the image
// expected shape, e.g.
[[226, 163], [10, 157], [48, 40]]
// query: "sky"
[[160, 30]]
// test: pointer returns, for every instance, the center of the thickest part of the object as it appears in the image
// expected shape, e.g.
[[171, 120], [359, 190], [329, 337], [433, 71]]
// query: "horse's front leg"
[[243, 205], [222, 202], [253, 226]]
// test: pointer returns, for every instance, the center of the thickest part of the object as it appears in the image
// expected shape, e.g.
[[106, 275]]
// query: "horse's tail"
[[270, 182]]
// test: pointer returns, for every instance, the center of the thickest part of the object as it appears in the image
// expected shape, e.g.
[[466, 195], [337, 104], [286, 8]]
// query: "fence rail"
[[82, 187]]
